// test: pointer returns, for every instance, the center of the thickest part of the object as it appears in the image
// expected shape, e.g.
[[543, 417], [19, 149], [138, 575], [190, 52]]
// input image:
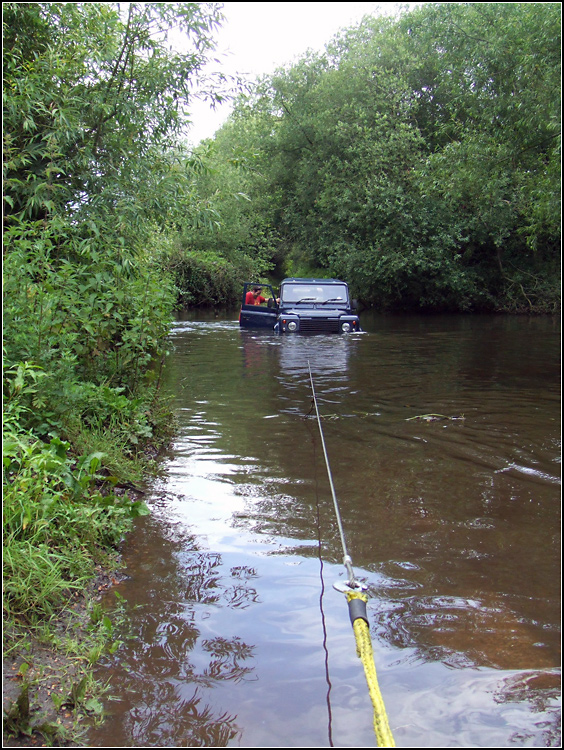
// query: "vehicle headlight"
[[345, 327], [292, 325]]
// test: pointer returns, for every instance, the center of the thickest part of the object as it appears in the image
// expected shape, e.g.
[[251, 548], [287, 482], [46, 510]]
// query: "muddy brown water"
[[237, 636]]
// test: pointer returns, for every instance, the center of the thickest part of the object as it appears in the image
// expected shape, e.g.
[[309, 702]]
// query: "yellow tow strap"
[[364, 650], [357, 611]]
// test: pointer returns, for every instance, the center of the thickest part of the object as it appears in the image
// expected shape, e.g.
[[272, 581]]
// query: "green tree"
[[95, 101], [486, 78], [95, 104], [418, 157]]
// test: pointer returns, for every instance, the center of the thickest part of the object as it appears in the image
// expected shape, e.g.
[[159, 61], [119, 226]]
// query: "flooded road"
[[443, 435]]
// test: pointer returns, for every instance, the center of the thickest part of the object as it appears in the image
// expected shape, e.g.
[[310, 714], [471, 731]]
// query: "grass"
[[50, 683], [66, 510]]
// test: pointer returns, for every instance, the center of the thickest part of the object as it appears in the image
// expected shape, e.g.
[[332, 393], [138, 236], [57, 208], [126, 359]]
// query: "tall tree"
[[95, 99], [420, 157]]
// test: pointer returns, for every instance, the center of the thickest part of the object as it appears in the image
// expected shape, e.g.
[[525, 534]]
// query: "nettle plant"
[[57, 520]]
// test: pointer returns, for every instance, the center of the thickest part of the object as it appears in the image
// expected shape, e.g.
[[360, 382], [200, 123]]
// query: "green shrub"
[[60, 515], [92, 313], [207, 278]]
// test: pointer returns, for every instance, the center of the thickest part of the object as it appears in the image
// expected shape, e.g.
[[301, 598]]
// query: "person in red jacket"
[[254, 297]]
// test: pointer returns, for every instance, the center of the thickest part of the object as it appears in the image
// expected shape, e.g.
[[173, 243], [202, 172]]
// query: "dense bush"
[[209, 279], [95, 171], [79, 307], [57, 525], [418, 157]]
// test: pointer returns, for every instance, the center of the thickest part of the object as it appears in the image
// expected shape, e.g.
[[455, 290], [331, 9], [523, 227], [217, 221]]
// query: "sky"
[[256, 38]]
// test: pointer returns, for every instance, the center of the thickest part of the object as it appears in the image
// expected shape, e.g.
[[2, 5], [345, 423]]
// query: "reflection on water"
[[171, 662], [328, 356], [238, 637]]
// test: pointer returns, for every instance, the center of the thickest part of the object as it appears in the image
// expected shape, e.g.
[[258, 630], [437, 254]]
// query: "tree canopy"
[[96, 101], [418, 157]]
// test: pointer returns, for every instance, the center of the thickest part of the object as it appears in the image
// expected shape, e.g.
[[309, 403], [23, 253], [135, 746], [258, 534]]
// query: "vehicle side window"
[[266, 294]]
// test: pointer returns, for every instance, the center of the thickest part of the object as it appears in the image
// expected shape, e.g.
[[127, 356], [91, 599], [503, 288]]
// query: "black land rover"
[[305, 306]]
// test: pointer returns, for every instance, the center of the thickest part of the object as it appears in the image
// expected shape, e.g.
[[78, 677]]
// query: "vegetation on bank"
[[417, 157], [95, 171]]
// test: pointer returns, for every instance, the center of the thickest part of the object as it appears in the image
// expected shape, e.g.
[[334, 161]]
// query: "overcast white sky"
[[258, 37]]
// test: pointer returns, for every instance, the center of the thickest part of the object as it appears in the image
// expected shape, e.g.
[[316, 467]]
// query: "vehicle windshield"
[[331, 293]]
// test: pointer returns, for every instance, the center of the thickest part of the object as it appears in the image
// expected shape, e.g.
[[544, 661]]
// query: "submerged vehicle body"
[[304, 306]]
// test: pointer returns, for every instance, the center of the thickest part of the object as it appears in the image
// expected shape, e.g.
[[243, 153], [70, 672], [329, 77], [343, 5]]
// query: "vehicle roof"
[[293, 280]]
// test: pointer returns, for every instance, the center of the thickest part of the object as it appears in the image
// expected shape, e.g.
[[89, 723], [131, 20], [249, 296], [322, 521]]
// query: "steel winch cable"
[[357, 607], [347, 561]]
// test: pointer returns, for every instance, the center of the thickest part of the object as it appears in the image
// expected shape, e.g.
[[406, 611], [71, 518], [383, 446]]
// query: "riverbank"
[[49, 694], [67, 512]]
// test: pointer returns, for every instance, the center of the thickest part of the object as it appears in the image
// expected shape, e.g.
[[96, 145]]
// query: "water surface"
[[443, 435]]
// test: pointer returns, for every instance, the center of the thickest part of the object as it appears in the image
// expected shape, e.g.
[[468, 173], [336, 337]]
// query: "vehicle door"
[[259, 316]]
